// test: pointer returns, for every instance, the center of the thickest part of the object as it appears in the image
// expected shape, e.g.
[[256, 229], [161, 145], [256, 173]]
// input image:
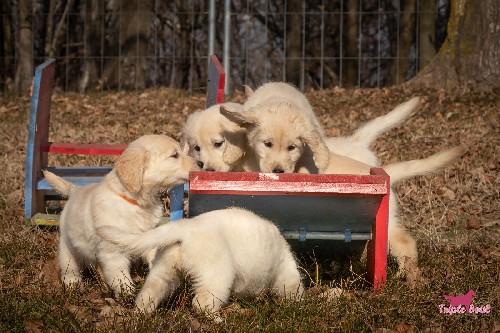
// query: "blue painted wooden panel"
[[89, 171], [37, 134], [42, 184], [316, 217]]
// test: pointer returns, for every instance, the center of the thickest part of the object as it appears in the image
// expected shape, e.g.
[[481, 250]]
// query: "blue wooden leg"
[[176, 203]]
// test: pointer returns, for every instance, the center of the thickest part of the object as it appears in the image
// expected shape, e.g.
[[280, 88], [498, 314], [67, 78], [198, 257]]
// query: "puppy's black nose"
[[278, 170], [209, 169], [200, 164]]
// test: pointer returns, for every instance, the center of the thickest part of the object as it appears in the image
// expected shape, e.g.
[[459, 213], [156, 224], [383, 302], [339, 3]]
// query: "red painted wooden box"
[[306, 207]]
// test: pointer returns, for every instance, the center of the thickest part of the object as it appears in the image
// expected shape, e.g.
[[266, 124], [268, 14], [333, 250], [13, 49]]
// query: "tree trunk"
[[49, 24], [24, 73], [134, 21], [351, 45], [6, 49], [293, 42], [406, 29], [91, 43], [470, 55], [427, 31]]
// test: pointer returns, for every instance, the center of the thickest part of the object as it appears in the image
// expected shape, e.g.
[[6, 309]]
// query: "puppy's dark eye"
[[291, 147], [197, 148], [175, 155], [218, 144], [268, 144]]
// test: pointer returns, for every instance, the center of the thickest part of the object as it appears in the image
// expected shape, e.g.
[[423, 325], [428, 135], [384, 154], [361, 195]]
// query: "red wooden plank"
[[258, 183], [222, 79], [262, 187], [377, 247], [216, 82], [83, 149], [288, 177]]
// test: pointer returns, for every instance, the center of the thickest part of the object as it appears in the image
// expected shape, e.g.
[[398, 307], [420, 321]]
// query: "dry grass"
[[454, 216]]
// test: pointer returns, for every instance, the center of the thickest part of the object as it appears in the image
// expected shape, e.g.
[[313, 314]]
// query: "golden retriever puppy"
[[356, 146], [275, 132], [212, 139], [128, 198], [264, 113], [223, 251], [278, 110], [275, 93], [278, 136]]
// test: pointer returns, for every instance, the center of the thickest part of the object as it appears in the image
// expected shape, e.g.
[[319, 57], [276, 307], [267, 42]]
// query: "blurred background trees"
[[114, 44]]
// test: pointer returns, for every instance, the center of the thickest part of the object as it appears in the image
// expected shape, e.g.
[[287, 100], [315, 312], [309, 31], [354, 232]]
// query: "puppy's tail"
[[369, 132], [62, 186], [139, 244], [430, 165]]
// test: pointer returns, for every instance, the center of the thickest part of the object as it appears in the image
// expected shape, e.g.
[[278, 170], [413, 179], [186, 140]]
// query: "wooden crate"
[[306, 207]]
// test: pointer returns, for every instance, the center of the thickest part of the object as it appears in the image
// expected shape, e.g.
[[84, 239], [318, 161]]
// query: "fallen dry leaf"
[[384, 330], [495, 328], [404, 327], [81, 313], [490, 224], [193, 324], [33, 326], [236, 308], [109, 311], [50, 271], [473, 225], [412, 273]]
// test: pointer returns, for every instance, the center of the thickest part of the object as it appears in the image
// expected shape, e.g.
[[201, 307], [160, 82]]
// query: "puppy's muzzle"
[[278, 170]]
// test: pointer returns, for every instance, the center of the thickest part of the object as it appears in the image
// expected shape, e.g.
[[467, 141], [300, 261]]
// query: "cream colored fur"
[[224, 251], [149, 166], [214, 140], [278, 136], [275, 135]]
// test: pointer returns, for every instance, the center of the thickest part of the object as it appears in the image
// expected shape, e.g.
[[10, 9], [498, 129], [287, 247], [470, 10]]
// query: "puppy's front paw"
[[144, 306], [71, 279], [123, 288]]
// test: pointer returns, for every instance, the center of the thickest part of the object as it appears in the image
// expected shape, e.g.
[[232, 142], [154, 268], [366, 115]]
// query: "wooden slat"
[[79, 171], [257, 183], [377, 247], [42, 184], [216, 82], [45, 219], [83, 148], [290, 177], [49, 220], [38, 131]]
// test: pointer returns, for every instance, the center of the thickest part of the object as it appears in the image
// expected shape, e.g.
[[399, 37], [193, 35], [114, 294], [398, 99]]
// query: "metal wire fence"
[[111, 44]]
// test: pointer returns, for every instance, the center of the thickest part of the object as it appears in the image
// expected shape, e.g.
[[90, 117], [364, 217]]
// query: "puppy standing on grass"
[[223, 251], [127, 199]]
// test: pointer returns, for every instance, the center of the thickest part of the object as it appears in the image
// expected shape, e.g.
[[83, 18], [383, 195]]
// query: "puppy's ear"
[[236, 144], [243, 119], [319, 148], [130, 168], [184, 146], [248, 90]]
